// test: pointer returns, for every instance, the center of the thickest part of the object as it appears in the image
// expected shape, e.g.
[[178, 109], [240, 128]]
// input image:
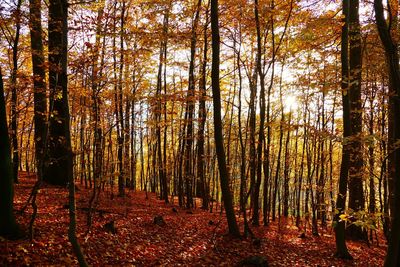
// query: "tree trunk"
[[59, 124], [392, 57], [341, 248], [39, 84], [120, 115], [261, 134], [201, 159], [8, 225], [14, 98], [57, 159], [190, 112], [286, 171], [218, 136], [356, 192]]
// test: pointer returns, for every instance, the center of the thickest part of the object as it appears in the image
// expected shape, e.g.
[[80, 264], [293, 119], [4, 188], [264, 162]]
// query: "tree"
[[119, 103], [8, 225], [40, 100], [60, 170], [14, 96], [356, 192], [160, 161], [392, 59], [57, 159], [218, 136], [39, 83], [341, 248], [189, 113], [203, 189], [261, 134]]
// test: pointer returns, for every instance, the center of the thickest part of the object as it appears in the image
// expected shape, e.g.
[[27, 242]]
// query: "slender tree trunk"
[[341, 248], [278, 166], [159, 158], [286, 171], [218, 136], [120, 116], [201, 159], [371, 152], [300, 180], [322, 174], [95, 113], [261, 134], [14, 98], [267, 150], [190, 111]]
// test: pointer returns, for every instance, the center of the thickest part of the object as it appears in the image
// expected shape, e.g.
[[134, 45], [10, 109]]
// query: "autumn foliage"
[[201, 132]]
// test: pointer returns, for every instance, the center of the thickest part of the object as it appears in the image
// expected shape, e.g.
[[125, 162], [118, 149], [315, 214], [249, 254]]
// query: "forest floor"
[[196, 238]]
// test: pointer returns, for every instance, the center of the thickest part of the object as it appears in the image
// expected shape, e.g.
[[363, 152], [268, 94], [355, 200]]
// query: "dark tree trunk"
[[120, 116], [60, 149], [261, 134], [371, 160], [98, 137], [39, 84], [201, 159], [267, 149], [14, 98], [219, 142], [278, 166], [242, 142], [321, 179], [392, 57], [40, 101], [252, 137], [286, 171], [341, 248], [8, 225], [159, 158], [356, 192], [57, 159], [190, 112]]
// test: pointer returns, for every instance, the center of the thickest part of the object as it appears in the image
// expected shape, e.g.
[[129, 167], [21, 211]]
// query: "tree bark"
[[356, 192], [8, 225], [392, 57], [14, 97], [341, 248], [57, 159], [218, 136], [201, 158], [39, 84]]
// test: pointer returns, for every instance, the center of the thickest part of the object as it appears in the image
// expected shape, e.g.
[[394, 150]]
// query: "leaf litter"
[[186, 239]]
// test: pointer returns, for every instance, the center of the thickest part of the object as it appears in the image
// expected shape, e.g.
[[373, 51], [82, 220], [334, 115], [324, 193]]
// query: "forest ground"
[[196, 238]]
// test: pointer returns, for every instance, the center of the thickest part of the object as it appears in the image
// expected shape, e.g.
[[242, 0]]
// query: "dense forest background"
[[267, 110]]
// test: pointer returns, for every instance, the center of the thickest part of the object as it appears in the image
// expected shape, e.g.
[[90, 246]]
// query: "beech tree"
[[8, 225], [356, 191], [218, 136], [341, 248], [14, 95], [58, 155], [392, 61], [39, 84]]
